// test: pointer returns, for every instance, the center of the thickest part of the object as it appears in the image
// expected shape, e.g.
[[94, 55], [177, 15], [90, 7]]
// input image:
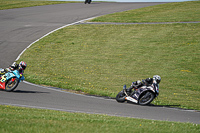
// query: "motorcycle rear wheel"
[[121, 97], [11, 85], [146, 98]]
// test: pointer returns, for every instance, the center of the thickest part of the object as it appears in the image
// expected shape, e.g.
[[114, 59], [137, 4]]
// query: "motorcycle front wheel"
[[11, 85], [121, 97], [146, 98]]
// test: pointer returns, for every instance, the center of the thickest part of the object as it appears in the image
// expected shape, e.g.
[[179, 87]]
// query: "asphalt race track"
[[20, 27]]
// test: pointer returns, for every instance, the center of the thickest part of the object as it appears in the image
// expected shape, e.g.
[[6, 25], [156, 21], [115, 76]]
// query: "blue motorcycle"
[[10, 80]]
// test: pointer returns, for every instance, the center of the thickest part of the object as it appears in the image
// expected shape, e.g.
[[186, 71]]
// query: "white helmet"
[[157, 78]]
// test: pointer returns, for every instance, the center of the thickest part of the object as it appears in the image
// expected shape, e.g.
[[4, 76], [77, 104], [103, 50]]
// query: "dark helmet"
[[22, 65]]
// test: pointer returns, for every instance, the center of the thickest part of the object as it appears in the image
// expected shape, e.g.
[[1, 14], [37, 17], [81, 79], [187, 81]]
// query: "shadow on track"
[[166, 106], [20, 91], [177, 106]]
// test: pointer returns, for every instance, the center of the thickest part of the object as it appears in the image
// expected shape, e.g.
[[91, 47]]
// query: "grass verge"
[[171, 12], [23, 120], [10, 4]]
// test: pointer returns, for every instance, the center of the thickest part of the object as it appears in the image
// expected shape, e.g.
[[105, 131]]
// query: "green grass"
[[23, 120], [171, 12], [10, 4]]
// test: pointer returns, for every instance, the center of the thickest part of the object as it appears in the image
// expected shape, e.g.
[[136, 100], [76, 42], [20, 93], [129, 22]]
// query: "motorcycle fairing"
[[134, 98], [2, 85], [131, 99], [139, 91], [17, 74], [2, 81], [9, 75]]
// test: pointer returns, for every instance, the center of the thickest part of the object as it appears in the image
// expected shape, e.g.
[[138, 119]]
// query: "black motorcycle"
[[143, 95], [88, 1]]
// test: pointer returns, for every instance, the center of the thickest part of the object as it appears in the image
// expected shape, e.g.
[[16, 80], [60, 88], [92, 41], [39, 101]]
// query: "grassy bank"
[[99, 59], [171, 12], [23, 120], [10, 4]]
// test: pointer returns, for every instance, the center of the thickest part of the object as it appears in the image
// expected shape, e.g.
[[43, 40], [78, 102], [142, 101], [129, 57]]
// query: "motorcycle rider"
[[147, 82], [156, 81], [88, 1], [20, 67]]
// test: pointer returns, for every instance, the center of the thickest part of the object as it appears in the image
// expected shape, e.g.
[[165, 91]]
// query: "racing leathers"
[[137, 84], [12, 67]]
